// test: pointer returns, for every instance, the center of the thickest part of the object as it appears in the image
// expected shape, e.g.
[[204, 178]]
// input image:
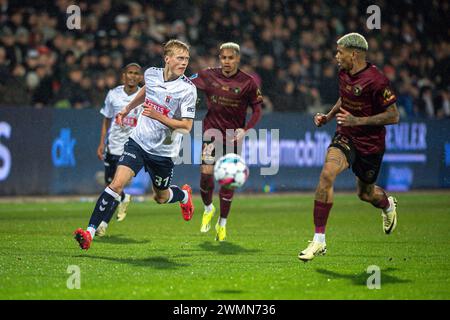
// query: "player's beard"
[[342, 66]]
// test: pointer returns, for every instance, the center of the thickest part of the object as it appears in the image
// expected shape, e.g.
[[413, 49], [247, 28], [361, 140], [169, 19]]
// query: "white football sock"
[[209, 208], [170, 196], [91, 231], [319, 237], [222, 222], [391, 206], [186, 197]]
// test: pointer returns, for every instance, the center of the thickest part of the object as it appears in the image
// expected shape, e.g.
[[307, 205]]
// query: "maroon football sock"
[[206, 188], [226, 196], [384, 202], [321, 212]]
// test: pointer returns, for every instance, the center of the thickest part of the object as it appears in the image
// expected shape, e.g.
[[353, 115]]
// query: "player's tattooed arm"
[[390, 116]]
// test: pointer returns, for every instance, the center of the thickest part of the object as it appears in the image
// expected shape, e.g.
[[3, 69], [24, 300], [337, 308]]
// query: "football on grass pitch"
[[231, 171]]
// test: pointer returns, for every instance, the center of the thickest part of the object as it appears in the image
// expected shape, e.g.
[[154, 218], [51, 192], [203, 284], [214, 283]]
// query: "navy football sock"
[[177, 194], [108, 215], [104, 205]]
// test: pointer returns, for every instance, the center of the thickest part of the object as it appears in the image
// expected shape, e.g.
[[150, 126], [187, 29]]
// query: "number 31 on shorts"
[[159, 181]]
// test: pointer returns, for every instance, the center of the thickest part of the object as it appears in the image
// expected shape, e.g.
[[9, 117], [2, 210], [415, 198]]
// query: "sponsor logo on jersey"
[[388, 95], [258, 95], [357, 90], [129, 121], [161, 109]]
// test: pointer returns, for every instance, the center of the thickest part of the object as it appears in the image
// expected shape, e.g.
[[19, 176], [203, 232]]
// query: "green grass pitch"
[[155, 254]]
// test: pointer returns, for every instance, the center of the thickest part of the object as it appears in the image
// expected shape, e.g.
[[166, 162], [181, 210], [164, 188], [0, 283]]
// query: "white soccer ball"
[[231, 171]]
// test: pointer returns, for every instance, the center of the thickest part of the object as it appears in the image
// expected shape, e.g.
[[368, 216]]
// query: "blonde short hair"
[[173, 44], [232, 46], [353, 41]]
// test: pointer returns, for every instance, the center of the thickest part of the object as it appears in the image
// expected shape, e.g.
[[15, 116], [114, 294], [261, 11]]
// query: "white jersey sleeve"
[[188, 105], [108, 109]]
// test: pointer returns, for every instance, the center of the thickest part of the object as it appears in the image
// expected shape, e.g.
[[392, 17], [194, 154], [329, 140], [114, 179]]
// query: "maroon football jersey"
[[227, 98], [365, 94]]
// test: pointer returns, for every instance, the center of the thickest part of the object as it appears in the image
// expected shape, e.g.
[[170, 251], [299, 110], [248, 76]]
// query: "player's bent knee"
[[207, 169], [327, 177]]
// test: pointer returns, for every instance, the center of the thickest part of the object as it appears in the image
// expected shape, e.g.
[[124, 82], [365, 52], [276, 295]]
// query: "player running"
[[169, 99], [229, 93], [117, 135], [365, 106]]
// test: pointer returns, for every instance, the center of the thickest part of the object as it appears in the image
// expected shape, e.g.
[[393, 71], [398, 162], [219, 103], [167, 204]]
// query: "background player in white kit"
[[170, 99], [116, 136]]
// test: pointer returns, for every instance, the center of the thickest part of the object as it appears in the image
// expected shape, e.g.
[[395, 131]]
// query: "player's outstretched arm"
[[137, 101], [320, 118], [390, 116]]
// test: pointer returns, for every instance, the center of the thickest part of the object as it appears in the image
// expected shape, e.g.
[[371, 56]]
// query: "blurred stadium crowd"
[[288, 46]]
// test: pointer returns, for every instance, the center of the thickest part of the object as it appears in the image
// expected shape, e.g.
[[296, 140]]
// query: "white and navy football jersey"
[[115, 101], [175, 99]]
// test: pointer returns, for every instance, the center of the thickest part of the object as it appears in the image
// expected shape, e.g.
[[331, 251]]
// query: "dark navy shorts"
[[110, 163], [159, 168], [365, 166]]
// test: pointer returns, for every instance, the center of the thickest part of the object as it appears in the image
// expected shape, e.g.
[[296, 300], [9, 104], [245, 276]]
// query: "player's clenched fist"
[[120, 116], [320, 119]]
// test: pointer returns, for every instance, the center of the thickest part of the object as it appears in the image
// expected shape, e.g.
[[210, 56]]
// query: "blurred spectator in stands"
[[287, 101], [4, 64], [443, 104], [405, 101], [13, 88], [43, 94], [266, 71], [329, 86], [13, 52], [71, 94], [426, 104]]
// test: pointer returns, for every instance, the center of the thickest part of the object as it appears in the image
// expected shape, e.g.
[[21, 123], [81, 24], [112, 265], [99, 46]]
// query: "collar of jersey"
[[368, 64]]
